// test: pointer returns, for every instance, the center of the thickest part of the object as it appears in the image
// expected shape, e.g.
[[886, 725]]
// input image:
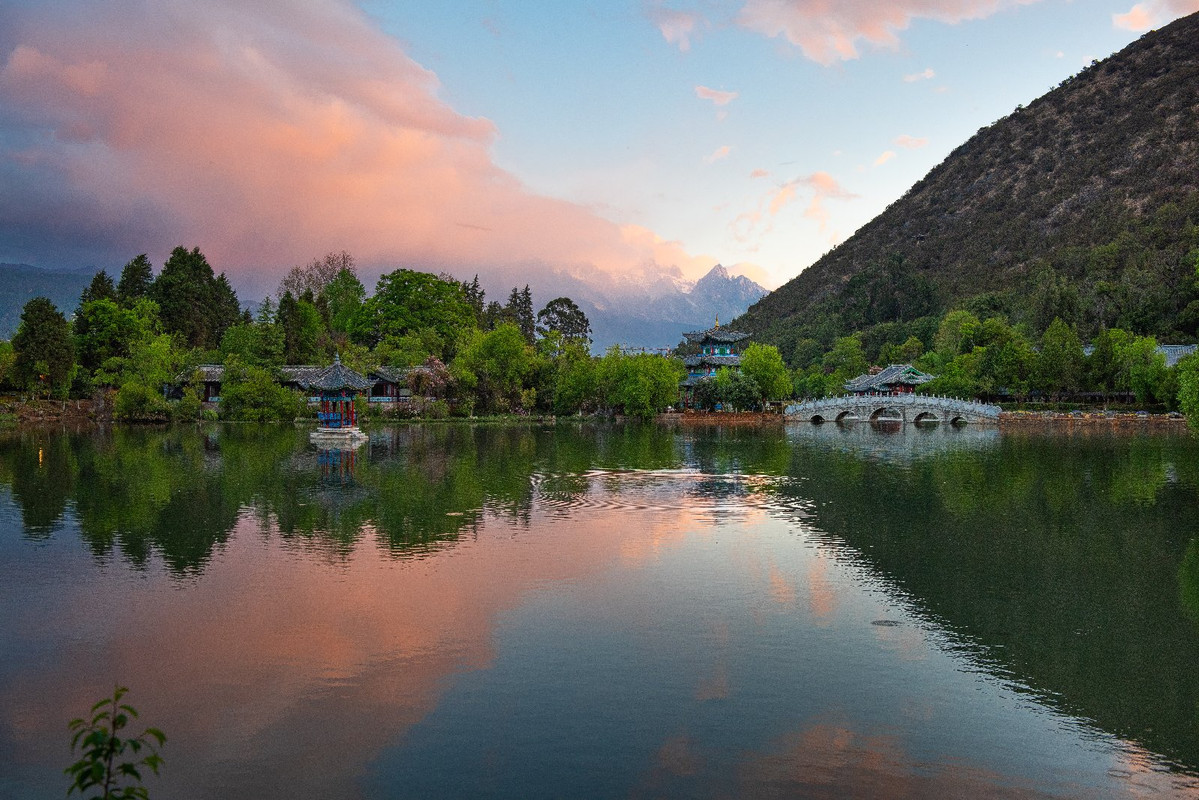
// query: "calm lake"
[[608, 611]]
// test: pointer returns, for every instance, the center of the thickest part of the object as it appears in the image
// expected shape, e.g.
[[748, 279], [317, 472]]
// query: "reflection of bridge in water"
[[895, 408]]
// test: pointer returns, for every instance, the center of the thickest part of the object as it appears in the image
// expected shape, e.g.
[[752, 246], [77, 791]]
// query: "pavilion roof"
[[338, 376], [717, 334], [891, 376]]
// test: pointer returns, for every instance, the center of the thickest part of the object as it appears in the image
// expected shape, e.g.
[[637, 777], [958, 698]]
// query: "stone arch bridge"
[[894, 408]]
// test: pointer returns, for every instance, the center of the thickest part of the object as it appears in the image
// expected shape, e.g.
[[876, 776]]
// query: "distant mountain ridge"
[[20, 283], [1091, 191], [660, 321]]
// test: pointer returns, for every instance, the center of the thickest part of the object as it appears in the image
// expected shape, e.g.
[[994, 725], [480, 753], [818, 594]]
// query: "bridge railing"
[[939, 402]]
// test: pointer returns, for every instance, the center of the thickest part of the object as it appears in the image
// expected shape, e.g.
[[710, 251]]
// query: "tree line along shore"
[[131, 341]]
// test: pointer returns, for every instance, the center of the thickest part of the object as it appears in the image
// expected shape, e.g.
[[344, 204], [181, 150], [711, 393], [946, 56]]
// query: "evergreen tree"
[[136, 279], [45, 354], [101, 288], [520, 308], [195, 304], [475, 297]]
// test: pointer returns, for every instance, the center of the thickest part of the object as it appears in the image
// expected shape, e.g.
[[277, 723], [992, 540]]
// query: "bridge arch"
[[926, 418], [817, 419], [886, 413], [848, 415]]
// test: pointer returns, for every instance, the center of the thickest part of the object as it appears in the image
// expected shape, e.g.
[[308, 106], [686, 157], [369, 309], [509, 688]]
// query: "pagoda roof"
[[891, 376], [715, 361], [716, 334]]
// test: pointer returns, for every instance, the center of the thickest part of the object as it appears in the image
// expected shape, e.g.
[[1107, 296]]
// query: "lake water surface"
[[608, 611]]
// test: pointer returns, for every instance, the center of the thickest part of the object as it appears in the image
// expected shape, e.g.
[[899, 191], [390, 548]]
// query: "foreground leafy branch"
[[109, 760]]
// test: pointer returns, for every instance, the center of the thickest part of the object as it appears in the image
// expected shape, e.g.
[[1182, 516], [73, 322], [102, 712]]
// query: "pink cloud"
[[717, 96], [758, 173], [830, 31], [1152, 13], [910, 142], [676, 27], [719, 154], [927, 75], [884, 158], [266, 134], [822, 187]]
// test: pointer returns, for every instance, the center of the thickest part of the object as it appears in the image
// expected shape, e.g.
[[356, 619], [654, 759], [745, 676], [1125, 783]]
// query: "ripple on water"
[[644, 491]]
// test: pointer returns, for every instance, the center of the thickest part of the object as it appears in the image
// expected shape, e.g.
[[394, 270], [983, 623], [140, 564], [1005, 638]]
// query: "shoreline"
[[34, 414]]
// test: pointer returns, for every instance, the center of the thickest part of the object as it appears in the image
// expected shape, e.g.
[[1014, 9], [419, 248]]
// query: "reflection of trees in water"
[[41, 474], [1068, 562]]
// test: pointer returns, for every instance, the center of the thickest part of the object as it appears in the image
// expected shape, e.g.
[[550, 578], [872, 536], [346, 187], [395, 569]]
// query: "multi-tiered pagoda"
[[718, 348]]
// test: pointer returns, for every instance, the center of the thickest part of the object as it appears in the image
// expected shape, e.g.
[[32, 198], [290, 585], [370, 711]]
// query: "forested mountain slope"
[[1083, 205]]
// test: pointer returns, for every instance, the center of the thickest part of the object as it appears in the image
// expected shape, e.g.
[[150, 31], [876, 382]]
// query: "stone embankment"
[[1109, 419], [19, 412], [740, 418]]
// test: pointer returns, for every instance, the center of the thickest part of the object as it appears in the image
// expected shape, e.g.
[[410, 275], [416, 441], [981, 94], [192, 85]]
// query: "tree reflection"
[[1063, 561]]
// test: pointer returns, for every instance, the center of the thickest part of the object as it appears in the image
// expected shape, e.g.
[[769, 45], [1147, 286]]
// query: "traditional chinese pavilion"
[[719, 347], [336, 386], [895, 379]]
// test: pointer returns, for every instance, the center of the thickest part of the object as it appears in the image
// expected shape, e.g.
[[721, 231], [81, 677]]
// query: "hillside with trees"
[[1082, 206]]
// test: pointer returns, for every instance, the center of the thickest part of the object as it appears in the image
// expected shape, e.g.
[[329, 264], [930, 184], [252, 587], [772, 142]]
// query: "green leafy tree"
[[105, 330], [575, 380], [956, 334], [45, 352], [638, 385], [737, 391], [301, 326], [1102, 367], [1060, 365], [409, 302], [344, 296], [1141, 369], [764, 364], [562, 315], [252, 394], [136, 279], [153, 362], [112, 762], [847, 359], [495, 365], [807, 352], [8, 357], [959, 378], [1188, 389]]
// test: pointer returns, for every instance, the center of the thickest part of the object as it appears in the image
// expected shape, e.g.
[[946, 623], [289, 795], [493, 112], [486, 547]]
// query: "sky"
[[621, 145]]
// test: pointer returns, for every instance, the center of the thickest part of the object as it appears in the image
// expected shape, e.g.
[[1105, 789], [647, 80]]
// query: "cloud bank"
[[267, 134], [827, 32], [1152, 13]]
